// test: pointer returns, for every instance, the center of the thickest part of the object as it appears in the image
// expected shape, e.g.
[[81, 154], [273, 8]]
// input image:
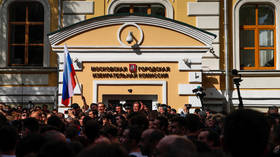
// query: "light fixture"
[[187, 61], [78, 62], [129, 37]]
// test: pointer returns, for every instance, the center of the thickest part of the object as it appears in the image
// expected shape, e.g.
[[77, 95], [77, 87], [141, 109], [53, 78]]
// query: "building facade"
[[156, 51]]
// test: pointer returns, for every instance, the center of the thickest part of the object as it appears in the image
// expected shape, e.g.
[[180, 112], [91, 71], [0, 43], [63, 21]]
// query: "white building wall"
[[207, 18], [76, 11]]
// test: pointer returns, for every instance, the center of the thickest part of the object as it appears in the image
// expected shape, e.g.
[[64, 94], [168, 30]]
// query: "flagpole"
[[82, 96], [79, 84]]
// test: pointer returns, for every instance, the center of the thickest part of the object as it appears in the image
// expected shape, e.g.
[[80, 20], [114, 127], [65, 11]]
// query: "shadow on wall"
[[214, 99], [73, 12], [23, 95]]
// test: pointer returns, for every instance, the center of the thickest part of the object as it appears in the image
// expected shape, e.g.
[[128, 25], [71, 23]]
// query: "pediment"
[[146, 31]]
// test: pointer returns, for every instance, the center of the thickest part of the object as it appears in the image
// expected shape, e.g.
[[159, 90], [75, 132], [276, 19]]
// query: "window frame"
[[26, 43], [236, 34], [148, 5], [169, 11], [257, 28], [4, 56]]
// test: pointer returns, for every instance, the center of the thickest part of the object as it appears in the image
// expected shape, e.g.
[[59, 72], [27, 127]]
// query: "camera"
[[197, 89], [188, 106]]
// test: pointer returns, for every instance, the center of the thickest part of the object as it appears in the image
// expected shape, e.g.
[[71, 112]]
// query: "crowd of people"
[[137, 131]]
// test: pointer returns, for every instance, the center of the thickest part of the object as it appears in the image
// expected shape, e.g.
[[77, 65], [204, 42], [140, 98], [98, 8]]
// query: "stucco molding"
[[73, 30]]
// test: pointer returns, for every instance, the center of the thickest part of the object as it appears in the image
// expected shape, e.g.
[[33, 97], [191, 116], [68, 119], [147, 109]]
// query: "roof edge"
[[125, 14]]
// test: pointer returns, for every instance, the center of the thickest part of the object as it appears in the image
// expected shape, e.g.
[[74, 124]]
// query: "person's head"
[[38, 108], [29, 145], [75, 106], [71, 132], [246, 133], [162, 109], [209, 137], [30, 125], [173, 111], [104, 150], [24, 115], [127, 108], [56, 149], [138, 119], [93, 106], [105, 119], [131, 137], [43, 118], [210, 121], [160, 123], [101, 108], [54, 111], [55, 121], [136, 107], [45, 107], [149, 140], [118, 108], [187, 107], [168, 109], [19, 108], [196, 111], [176, 126], [54, 136], [202, 115], [120, 120], [110, 107], [110, 132], [272, 110], [61, 116], [91, 129], [193, 124], [92, 114], [2, 105], [75, 109], [175, 146]]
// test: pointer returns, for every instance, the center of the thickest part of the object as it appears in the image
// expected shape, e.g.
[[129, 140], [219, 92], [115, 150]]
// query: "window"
[[26, 34], [257, 37], [148, 9]]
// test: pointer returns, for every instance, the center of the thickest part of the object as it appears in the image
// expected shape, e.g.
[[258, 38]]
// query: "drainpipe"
[[59, 14], [226, 57]]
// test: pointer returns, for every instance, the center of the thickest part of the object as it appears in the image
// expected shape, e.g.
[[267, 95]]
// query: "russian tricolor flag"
[[69, 82]]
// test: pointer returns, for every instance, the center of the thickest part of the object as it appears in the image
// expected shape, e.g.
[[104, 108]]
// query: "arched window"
[[148, 9], [257, 37], [26, 33]]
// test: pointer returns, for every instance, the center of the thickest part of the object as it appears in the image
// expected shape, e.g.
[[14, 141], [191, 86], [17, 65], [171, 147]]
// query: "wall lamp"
[[187, 61]]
